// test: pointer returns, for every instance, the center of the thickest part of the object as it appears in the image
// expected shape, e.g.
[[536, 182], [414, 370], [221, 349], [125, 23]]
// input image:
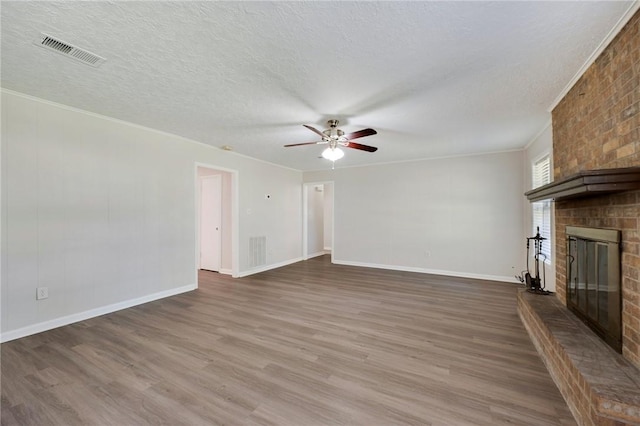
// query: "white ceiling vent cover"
[[69, 50]]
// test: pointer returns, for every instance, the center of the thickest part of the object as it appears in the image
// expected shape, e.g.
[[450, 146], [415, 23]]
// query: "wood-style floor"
[[308, 344]]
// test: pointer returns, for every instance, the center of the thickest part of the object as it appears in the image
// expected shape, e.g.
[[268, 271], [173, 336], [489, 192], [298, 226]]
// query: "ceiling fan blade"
[[314, 130], [360, 146], [305, 143], [361, 133]]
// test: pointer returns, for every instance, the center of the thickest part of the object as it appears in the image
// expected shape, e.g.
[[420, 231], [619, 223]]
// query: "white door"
[[210, 222]]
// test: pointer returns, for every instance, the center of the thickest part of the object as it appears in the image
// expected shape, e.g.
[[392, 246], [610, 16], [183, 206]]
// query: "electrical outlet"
[[42, 293]]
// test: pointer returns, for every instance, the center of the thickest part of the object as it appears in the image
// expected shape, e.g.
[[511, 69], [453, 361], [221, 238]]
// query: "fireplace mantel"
[[588, 183]]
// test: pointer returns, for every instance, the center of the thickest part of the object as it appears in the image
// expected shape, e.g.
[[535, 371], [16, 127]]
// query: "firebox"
[[593, 280]]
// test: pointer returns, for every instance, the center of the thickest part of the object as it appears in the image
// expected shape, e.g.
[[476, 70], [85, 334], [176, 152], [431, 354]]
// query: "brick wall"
[[597, 126]]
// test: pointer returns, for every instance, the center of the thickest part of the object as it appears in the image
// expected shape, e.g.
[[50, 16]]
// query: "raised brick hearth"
[[596, 126], [599, 385]]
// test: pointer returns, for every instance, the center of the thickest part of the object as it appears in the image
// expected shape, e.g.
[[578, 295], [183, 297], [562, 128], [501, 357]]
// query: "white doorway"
[[216, 215], [211, 222], [317, 221]]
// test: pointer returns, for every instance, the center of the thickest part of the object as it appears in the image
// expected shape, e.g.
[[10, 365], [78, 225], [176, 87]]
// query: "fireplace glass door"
[[593, 280]]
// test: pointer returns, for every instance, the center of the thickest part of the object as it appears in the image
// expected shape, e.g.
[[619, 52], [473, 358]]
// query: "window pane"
[[541, 175]]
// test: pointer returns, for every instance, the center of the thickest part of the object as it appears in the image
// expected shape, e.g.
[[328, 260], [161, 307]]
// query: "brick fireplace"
[[596, 126]]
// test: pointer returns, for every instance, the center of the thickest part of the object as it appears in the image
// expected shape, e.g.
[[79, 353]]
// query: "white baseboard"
[[268, 267], [92, 313], [327, 249], [428, 271], [225, 271]]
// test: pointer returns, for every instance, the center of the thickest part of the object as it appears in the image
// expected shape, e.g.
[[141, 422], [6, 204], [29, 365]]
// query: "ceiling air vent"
[[69, 50]]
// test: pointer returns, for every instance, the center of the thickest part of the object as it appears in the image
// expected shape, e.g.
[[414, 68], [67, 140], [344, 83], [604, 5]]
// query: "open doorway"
[[317, 219], [216, 220]]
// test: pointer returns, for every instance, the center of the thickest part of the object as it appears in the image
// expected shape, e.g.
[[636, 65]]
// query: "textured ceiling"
[[434, 78]]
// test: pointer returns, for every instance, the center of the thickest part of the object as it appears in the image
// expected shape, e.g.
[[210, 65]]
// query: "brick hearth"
[[599, 385]]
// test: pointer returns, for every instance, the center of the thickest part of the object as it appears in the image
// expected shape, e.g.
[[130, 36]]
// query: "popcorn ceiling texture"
[[434, 78], [597, 126]]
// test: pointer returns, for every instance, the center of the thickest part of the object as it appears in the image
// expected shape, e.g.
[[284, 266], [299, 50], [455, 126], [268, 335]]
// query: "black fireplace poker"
[[535, 284]]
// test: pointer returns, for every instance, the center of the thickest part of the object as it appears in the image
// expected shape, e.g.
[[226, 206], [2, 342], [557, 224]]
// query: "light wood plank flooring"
[[308, 344]]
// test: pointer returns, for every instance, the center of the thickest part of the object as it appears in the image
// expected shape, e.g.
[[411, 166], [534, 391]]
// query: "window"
[[541, 175]]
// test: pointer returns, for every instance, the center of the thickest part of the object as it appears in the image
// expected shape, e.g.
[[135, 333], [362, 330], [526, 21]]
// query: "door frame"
[[305, 217], [235, 217]]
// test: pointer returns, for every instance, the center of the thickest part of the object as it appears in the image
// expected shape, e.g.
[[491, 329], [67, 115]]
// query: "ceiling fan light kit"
[[333, 154], [335, 138]]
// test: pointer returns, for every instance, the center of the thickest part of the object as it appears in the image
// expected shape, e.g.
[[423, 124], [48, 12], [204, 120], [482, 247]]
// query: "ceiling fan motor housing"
[[333, 133]]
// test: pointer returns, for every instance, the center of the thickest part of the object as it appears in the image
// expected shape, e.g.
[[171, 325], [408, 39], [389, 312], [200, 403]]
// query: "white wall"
[[541, 146], [456, 216], [103, 213]]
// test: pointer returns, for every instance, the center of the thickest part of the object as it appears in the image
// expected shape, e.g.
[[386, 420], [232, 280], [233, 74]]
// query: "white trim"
[[92, 313], [415, 160], [305, 213], [320, 182], [138, 126], [235, 216], [225, 272], [428, 271], [535, 138], [305, 220], [255, 159], [3, 217], [545, 153], [268, 267], [333, 219], [320, 253], [635, 5]]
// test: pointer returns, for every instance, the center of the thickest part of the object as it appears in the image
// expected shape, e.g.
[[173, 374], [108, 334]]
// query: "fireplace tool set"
[[535, 284]]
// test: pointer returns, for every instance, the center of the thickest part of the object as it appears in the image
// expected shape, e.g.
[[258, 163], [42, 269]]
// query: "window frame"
[[541, 211]]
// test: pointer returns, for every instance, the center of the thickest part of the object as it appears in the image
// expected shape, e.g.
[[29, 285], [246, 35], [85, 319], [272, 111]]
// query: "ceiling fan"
[[335, 138]]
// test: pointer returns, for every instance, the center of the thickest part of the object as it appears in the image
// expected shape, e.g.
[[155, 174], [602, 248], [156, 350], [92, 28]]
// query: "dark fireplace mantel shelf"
[[588, 183]]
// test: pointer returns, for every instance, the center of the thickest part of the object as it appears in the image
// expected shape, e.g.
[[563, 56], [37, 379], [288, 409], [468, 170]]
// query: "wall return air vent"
[[69, 50]]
